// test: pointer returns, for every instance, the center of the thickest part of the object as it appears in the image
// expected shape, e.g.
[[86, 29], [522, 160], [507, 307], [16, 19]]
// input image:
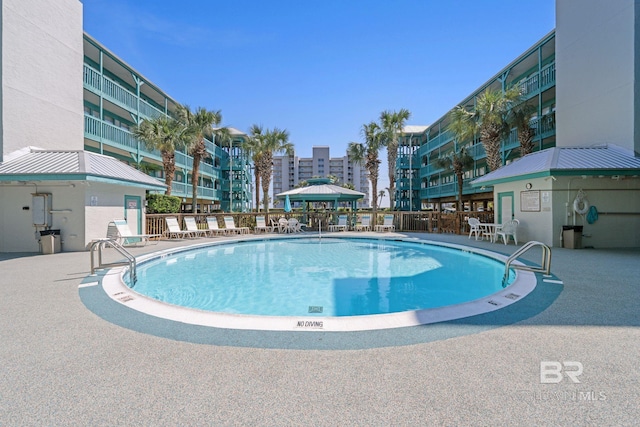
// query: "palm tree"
[[491, 110], [520, 118], [166, 135], [253, 146], [367, 154], [380, 197], [392, 125], [461, 127], [201, 124], [265, 145]]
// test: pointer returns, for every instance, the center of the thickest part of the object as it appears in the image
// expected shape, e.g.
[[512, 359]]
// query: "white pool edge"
[[114, 286]]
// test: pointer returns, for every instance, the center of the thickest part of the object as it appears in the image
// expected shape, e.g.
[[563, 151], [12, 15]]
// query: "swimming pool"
[[327, 284]]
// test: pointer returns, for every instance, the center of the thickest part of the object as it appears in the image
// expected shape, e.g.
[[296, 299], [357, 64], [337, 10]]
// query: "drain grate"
[[512, 296], [315, 309]]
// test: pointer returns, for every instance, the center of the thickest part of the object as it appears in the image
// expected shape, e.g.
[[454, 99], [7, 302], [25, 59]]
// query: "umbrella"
[[287, 204]]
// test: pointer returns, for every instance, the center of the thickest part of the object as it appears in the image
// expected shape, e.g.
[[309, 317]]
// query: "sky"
[[319, 68]]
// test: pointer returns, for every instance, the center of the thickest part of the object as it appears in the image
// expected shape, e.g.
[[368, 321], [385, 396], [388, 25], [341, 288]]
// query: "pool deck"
[[63, 364]]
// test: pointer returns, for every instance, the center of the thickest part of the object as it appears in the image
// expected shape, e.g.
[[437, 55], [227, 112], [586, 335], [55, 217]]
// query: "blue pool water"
[[312, 277]]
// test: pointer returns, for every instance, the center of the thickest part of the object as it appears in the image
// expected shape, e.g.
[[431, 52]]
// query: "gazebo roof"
[[321, 191]]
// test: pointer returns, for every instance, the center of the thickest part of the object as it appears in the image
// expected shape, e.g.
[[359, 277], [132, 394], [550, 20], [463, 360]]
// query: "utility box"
[[572, 236], [50, 241]]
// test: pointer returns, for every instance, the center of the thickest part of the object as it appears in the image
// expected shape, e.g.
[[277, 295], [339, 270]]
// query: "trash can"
[[50, 241], [572, 236]]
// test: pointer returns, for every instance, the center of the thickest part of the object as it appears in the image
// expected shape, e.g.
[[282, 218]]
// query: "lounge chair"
[[365, 224], [261, 225], [119, 230], [387, 225], [341, 225], [230, 225], [212, 227], [474, 227], [192, 226], [174, 230], [509, 228]]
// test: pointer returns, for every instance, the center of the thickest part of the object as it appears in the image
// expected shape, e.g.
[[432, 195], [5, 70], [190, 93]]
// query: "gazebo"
[[320, 190]]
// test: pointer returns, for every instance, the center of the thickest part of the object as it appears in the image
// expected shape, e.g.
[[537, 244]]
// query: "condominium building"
[[291, 171], [422, 184], [117, 98]]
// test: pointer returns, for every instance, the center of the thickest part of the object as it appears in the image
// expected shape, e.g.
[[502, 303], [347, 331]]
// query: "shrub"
[[161, 203]]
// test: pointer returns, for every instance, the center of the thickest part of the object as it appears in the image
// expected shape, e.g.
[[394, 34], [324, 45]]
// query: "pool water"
[[319, 277]]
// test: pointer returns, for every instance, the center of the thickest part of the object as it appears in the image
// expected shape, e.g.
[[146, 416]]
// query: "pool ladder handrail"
[[545, 264], [99, 245]]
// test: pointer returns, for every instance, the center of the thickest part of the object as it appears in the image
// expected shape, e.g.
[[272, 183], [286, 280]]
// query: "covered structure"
[[320, 190]]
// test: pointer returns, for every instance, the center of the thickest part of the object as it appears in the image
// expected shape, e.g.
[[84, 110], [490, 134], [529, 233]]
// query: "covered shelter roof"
[[607, 160], [321, 190], [34, 164]]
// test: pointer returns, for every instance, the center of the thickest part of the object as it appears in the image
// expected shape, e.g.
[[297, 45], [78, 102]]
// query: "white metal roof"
[[48, 165], [568, 161], [414, 129], [323, 189]]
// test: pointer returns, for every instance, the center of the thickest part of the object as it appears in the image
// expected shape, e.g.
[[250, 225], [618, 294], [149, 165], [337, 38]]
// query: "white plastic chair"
[[474, 227], [261, 225], [341, 225], [212, 227], [231, 226], [192, 226], [387, 224], [365, 224], [173, 228], [119, 230], [509, 228]]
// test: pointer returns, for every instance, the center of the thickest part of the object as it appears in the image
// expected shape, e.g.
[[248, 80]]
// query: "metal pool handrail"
[[99, 245], [545, 264]]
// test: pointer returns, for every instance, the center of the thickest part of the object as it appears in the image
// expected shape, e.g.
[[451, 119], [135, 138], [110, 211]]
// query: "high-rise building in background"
[[292, 171]]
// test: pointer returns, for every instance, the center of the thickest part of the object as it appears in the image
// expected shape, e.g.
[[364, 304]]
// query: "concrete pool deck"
[[61, 364]]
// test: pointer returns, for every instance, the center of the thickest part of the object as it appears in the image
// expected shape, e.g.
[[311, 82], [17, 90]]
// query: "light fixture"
[[528, 186]]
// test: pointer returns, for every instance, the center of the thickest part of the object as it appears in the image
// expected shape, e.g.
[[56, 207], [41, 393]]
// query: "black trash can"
[[50, 241], [572, 236]]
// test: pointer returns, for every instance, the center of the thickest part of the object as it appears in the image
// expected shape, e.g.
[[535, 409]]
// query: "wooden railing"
[[425, 222]]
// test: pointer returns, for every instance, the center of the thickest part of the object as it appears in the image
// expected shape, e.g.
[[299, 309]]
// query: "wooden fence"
[[426, 222]]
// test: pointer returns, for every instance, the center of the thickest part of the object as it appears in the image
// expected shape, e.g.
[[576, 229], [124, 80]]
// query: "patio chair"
[[230, 225], [365, 224], [474, 227], [261, 225], [192, 225], [119, 230], [212, 227], [341, 225], [294, 226], [173, 229], [506, 230], [283, 225], [387, 225]]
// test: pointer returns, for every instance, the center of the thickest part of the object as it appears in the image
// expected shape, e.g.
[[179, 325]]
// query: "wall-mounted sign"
[[530, 201]]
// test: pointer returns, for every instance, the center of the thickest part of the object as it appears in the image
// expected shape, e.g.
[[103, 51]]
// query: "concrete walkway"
[[61, 364]]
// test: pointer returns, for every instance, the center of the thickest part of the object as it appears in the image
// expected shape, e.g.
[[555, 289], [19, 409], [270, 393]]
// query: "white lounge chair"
[[192, 226], [341, 225], [509, 228], [119, 230], [261, 225], [387, 225], [365, 224], [230, 225], [174, 230], [212, 227], [474, 227]]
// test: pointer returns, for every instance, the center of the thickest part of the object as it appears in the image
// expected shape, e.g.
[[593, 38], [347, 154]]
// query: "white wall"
[[42, 57], [595, 72], [617, 202]]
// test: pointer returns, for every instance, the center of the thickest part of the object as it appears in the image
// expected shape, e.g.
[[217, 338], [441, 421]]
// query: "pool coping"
[[113, 285]]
